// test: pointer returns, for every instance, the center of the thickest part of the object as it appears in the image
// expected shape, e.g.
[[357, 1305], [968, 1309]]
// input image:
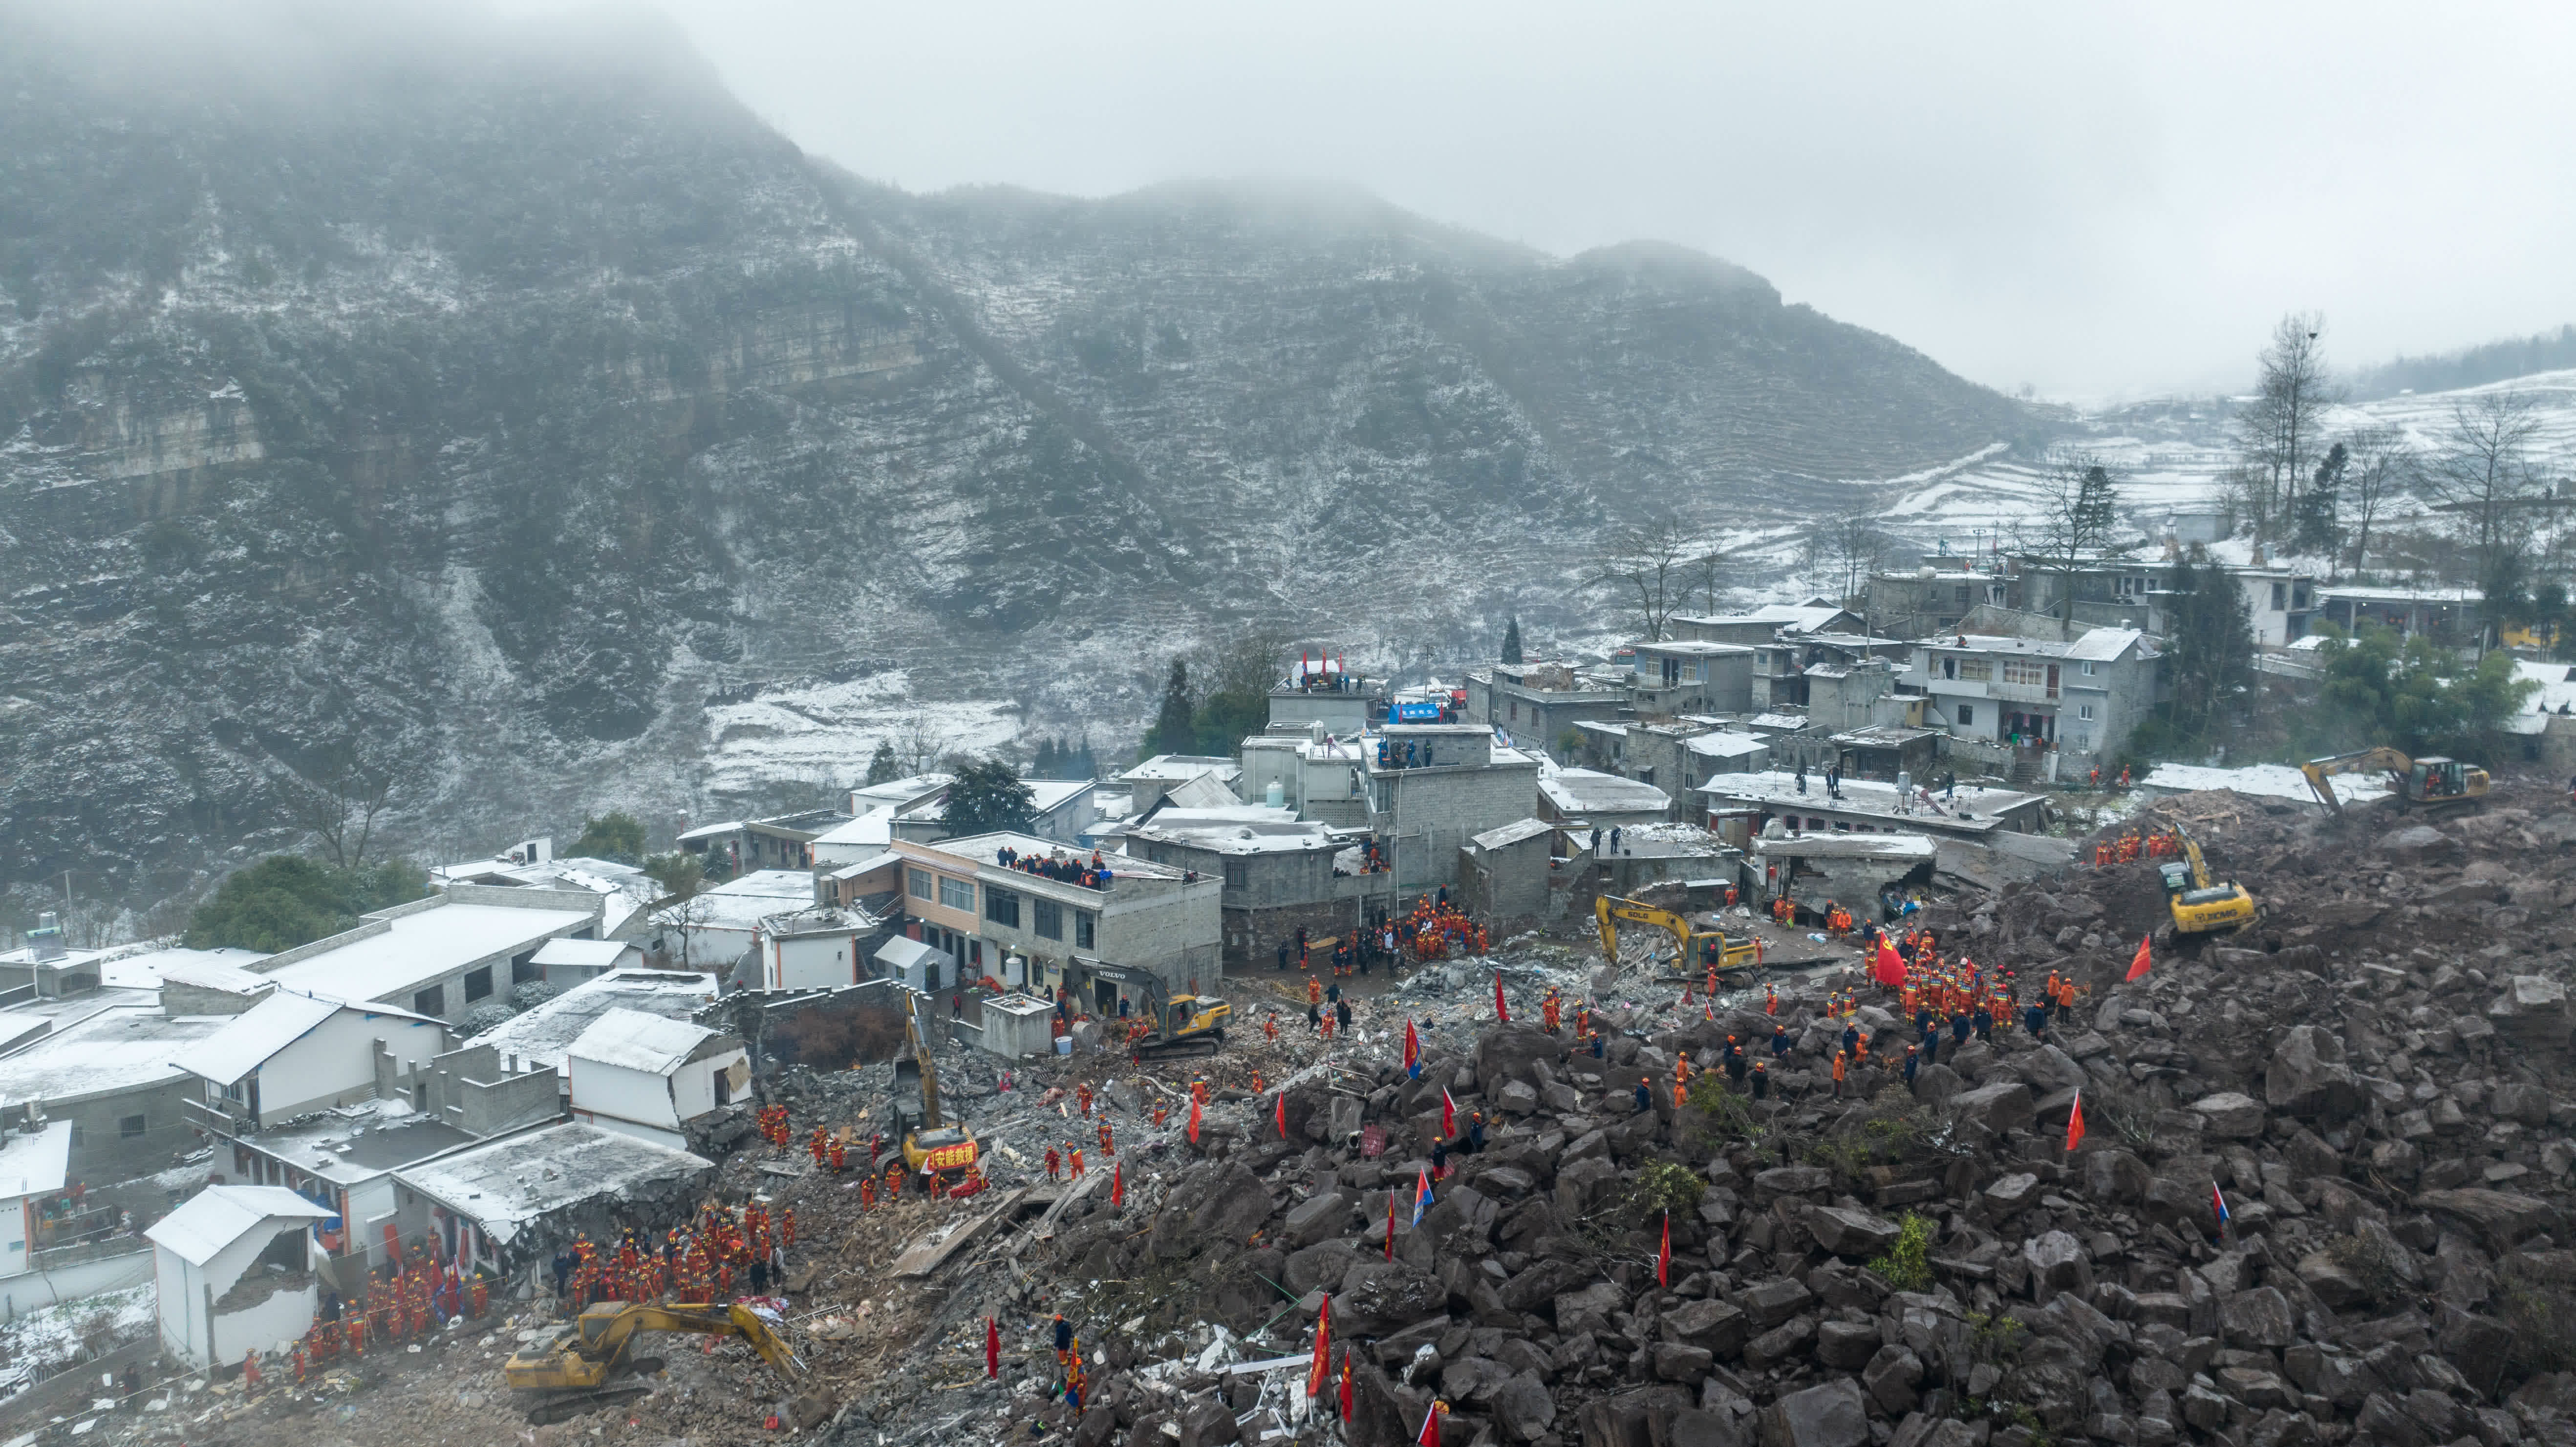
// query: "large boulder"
[[2230, 1115], [2002, 1107], [1323, 1264], [2308, 1076], [2417, 842], [1513, 1052], [1313, 1219], [2502, 1218], [1523, 1408], [1720, 1326], [1833, 1414], [1853, 1235], [2058, 1262], [2258, 1318], [1234, 1209], [1379, 1296], [1770, 1303]]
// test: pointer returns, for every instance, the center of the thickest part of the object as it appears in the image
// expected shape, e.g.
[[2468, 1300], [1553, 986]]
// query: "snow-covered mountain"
[[516, 404]]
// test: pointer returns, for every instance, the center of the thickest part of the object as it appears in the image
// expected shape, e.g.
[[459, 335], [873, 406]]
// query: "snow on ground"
[[2174, 460], [822, 732], [45, 1340]]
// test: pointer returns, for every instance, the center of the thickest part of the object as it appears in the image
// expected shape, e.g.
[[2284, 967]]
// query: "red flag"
[[1346, 1384], [2144, 961], [1321, 1371], [992, 1347], [1448, 1114], [1390, 1225], [1664, 1258], [1194, 1120], [1279, 1113], [1429, 1436], [1502, 1011], [1118, 1184], [1412, 1049], [1890, 966], [2075, 1123]]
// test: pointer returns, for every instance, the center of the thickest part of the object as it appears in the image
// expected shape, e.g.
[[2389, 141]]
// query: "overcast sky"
[[2091, 199]]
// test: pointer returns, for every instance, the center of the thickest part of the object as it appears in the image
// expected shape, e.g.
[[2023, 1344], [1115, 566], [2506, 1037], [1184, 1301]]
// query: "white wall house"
[[648, 1076], [222, 1268], [33, 1166], [291, 1054]]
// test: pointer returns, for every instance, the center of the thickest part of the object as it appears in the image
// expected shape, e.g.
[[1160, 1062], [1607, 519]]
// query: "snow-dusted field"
[[826, 732]]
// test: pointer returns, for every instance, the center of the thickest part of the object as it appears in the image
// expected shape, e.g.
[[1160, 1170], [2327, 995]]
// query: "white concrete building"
[[536, 1039], [33, 1166], [233, 1271], [292, 1054], [440, 955], [650, 1077]]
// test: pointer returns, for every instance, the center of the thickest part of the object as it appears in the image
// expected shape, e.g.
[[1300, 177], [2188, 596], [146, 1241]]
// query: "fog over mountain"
[[506, 398]]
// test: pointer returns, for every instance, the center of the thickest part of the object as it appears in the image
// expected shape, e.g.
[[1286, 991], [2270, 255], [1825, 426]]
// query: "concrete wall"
[[1507, 886], [1429, 814], [336, 1063], [101, 1151], [810, 962], [600, 1089], [284, 1316], [475, 1091]]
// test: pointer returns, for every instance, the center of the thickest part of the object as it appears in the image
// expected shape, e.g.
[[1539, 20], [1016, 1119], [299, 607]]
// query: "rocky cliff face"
[[496, 399]]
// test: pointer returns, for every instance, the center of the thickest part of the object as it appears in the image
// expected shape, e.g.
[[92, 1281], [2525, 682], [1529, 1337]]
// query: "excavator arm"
[[603, 1338], [2359, 761]]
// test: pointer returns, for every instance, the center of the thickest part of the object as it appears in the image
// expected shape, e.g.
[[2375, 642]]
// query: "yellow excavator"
[[2425, 783], [1714, 951], [1177, 1026], [2201, 906], [929, 1142], [569, 1375]]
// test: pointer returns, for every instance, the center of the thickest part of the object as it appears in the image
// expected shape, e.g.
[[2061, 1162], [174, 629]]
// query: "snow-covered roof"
[[1847, 846], [1172, 768], [1782, 722], [35, 1163], [423, 947], [1205, 791], [2104, 644], [597, 954], [1512, 833], [1048, 795], [1589, 791], [744, 902], [635, 1040], [113, 1050], [1237, 829], [146, 969], [1805, 617], [540, 1035], [1693, 648], [2360, 593], [1974, 809], [256, 1034], [2266, 781], [1725, 745], [710, 831], [218, 1216], [875, 828], [895, 793], [903, 954], [869, 865], [226, 978], [504, 1186]]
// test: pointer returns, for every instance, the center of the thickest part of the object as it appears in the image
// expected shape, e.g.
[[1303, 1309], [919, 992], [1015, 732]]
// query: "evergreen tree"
[[1045, 767], [882, 767], [1086, 764], [2314, 528], [287, 900], [1512, 641], [1174, 731], [617, 837], [988, 796], [2209, 658]]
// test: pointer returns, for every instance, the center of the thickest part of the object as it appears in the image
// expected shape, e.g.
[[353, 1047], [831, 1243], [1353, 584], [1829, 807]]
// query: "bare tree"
[[1649, 569], [339, 797], [2482, 475], [2078, 513], [2278, 432], [1851, 546], [1248, 658], [920, 742], [2383, 465]]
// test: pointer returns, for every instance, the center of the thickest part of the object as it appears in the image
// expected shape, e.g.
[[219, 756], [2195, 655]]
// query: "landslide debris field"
[[2369, 1079]]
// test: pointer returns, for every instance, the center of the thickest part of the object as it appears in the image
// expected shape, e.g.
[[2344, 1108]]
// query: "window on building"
[[524, 968], [1001, 906], [919, 883], [957, 893], [1238, 873], [478, 984], [432, 1001], [2028, 672], [2084, 711], [1516, 710], [1976, 670], [130, 1126], [2280, 597], [2089, 669], [1049, 920], [1967, 714], [1083, 920]]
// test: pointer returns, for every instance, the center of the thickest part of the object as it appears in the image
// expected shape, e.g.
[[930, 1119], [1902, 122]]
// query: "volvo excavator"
[[2427, 783], [570, 1374], [1695, 950]]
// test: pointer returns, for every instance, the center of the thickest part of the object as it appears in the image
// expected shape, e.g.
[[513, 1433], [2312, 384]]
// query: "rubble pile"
[[2319, 1197], [2364, 1084]]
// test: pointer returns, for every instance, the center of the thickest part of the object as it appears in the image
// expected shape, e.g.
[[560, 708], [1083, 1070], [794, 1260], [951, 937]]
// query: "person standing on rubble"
[[1842, 1061], [1761, 1079], [1645, 1094], [1476, 1133], [1342, 1010]]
